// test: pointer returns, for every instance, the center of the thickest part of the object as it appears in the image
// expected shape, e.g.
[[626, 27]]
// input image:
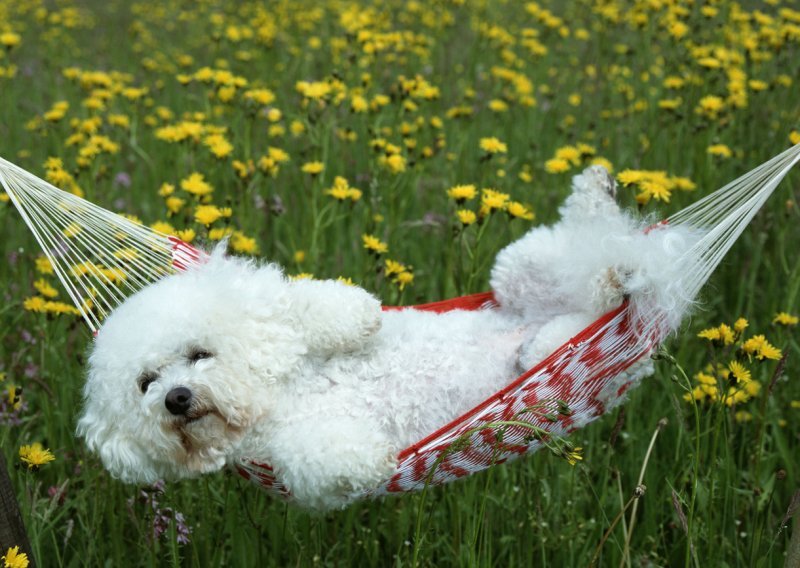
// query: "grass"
[[718, 482]]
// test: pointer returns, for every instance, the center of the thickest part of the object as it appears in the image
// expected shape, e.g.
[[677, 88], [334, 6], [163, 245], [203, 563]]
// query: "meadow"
[[400, 145]]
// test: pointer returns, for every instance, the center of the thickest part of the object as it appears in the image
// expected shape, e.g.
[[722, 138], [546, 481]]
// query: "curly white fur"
[[314, 379]]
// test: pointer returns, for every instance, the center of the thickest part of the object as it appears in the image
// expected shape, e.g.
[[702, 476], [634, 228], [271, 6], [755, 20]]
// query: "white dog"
[[232, 361]]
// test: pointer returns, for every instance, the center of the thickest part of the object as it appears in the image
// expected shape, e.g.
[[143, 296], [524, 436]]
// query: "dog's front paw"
[[332, 461], [335, 316], [609, 288]]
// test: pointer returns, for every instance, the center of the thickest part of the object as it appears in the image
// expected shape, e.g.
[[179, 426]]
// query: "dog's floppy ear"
[[334, 316]]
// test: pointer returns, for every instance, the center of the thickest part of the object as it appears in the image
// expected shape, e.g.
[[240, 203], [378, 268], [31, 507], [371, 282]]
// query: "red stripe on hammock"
[[470, 302], [582, 336]]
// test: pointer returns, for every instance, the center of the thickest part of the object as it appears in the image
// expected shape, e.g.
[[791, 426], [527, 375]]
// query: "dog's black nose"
[[178, 400]]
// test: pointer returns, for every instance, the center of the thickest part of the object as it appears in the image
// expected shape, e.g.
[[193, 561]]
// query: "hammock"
[[101, 258]]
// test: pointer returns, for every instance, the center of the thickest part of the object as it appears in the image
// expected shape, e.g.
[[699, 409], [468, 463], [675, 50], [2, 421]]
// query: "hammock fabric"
[[101, 258]]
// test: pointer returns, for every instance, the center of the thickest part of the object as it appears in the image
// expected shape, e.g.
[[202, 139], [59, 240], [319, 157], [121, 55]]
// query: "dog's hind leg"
[[539, 276]]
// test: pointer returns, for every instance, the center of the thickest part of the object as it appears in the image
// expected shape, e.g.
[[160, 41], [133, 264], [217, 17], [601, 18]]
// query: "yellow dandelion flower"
[[163, 227], [461, 193], [342, 191], [186, 235], [220, 233], [14, 397], [218, 145], [673, 82], [710, 106], [705, 379], [492, 145], [682, 183], [244, 169], [696, 394], [174, 204], [670, 104], [313, 168], [35, 455], [739, 372], [10, 39], [302, 276], [243, 244], [600, 161], [709, 62], [392, 267], [630, 177], [466, 217], [34, 304], [196, 185], [207, 214], [740, 325], [259, 96], [45, 289], [359, 104], [720, 151], [374, 244], [395, 163], [752, 388], [723, 334], [570, 154], [518, 210], [556, 166], [726, 334], [166, 189], [492, 200], [784, 318], [761, 348], [498, 105], [13, 558], [57, 112], [656, 189], [404, 279], [277, 154], [766, 350], [316, 90]]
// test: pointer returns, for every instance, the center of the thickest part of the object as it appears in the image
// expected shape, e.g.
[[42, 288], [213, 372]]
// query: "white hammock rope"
[[724, 214], [100, 257], [590, 373]]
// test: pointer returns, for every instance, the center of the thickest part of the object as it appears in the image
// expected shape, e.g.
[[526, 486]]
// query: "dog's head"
[[181, 369]]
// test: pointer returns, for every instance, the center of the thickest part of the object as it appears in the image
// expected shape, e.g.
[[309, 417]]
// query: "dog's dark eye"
[[145, 379], [196, 354]]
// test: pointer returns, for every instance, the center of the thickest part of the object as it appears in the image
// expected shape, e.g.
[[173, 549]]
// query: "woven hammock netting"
[[101, 258]]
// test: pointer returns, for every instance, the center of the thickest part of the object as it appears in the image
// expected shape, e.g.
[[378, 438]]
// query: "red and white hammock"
[[101, 258]]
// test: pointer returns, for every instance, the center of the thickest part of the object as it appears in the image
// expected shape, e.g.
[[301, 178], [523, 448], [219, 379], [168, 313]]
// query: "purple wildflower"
[[163, 517]]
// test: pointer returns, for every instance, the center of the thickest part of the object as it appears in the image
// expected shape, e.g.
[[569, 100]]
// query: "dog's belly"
[[423, 370]]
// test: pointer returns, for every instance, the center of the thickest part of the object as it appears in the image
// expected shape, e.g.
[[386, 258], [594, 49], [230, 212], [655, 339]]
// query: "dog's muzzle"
[[178, 401]]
